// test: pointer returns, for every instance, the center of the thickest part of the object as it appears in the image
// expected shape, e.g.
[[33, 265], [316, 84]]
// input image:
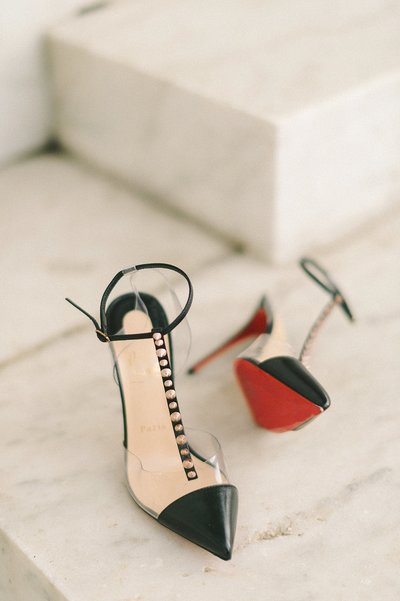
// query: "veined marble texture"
[[319, 512], [241, 114]]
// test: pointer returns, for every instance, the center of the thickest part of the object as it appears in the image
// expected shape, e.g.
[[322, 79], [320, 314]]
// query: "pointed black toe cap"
[[206, 517], [293, 373]]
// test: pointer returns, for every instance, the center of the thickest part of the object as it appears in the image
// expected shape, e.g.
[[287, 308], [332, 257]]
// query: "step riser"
[[142, 130], [338, 167], [278, 183]]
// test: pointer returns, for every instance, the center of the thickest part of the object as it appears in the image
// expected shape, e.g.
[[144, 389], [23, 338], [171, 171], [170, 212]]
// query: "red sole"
[[274, 405]]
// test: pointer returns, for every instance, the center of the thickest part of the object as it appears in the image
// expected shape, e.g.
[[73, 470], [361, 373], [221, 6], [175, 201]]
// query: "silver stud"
[[166, 372], [187, 464], [156, 335], [168, 383], [178, 428], [170, 394], [173, 405], [181, 439], [191, 474], [184, 451], [176, 416], [163, 362], [159, 342], [161, 352]]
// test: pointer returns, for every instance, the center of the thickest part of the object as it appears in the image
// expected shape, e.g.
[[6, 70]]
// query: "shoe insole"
[[154, 467]]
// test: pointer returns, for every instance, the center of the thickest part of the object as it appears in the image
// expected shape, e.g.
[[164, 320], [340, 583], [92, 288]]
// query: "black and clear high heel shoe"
[[175, 474], [279, 389]]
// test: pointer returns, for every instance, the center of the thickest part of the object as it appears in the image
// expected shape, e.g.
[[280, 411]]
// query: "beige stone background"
[[228, 138]]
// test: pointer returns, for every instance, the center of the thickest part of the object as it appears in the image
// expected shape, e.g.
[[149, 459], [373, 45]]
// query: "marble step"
[[24, 85], [277, 127], [66, 231], [318, 508], [24, 79]]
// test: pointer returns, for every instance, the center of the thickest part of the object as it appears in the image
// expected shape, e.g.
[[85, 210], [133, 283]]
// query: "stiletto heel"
[[175, 474], [260, 322], [280, 391]]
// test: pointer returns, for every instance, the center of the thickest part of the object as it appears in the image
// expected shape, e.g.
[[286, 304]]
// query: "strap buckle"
[[104, 336]]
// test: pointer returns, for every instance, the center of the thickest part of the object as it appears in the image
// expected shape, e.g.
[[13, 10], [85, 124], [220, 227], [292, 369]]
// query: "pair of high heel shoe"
[[175, 474]]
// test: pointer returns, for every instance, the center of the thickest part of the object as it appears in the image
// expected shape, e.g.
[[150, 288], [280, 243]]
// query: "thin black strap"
[[101, 329], [323, 278], [100, 334]]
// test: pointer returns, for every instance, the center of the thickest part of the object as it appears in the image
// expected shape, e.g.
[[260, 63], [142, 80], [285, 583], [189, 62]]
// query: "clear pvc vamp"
[[160, 480]]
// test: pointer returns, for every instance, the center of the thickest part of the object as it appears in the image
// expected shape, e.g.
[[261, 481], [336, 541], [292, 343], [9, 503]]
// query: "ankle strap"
[[101, 328], [324, 279]]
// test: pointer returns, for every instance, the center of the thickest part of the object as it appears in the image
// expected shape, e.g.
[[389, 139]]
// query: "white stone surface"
[[277, 126], [319, 513], [65, 231], [26, 121]]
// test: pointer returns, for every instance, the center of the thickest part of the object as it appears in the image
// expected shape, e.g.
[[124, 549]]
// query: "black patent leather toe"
[[206, 517], [293, 373]]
